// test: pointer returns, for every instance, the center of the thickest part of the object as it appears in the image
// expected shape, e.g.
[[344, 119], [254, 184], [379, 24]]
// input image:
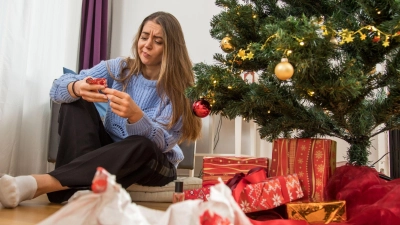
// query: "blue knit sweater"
[[144, 93]]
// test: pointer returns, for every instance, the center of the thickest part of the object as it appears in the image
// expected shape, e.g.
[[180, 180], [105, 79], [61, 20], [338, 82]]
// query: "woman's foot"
[[14, 190]]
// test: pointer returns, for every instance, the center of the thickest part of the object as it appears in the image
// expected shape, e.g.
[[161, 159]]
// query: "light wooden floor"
[[36, 210]]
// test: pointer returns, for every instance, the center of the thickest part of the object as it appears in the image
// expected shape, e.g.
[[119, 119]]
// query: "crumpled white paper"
[[114, 207]]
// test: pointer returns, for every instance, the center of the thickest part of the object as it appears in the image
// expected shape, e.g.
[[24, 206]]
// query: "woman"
[[147, 115]]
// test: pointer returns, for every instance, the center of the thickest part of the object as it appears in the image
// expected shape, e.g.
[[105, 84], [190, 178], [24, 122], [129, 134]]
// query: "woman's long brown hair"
[[176, 73]]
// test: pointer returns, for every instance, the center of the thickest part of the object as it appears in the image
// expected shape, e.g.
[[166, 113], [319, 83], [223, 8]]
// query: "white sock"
[[14, 190]]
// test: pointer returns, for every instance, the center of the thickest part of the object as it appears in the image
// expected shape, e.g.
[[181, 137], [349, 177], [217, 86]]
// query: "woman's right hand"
[[89, 92]]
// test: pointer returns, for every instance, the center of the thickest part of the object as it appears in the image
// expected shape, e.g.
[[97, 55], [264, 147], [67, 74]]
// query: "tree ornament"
[[250, 76], [376, 39], [334, 40], [226, 45], [321, 20], [284, 70], [201, 108]]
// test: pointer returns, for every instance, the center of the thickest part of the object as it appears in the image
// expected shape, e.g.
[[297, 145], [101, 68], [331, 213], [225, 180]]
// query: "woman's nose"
[[148, 43]]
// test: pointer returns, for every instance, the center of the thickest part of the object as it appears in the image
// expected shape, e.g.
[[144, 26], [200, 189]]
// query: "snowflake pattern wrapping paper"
[[313, 160], [199, 193], [271, 193]]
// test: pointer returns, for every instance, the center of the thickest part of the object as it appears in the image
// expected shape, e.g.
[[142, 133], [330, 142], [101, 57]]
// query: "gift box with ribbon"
[[255, 192], [317, 212], [313, 160], [198, 193], [227, 167]]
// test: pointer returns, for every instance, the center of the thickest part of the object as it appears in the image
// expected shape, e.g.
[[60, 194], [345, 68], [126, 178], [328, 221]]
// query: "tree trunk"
[[358, 151]]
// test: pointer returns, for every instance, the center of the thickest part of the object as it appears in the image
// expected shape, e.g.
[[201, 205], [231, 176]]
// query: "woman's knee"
[[142, 141]]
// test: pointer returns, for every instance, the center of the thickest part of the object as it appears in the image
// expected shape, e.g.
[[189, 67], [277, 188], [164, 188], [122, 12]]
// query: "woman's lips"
[[145, 54]]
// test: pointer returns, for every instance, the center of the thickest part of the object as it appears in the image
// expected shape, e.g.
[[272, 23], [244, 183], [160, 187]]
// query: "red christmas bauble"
[[376, 39], [201, 108]]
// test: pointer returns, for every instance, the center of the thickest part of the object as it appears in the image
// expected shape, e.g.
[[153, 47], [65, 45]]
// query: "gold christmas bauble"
[[226, 45], [334, 40], [284, 70]]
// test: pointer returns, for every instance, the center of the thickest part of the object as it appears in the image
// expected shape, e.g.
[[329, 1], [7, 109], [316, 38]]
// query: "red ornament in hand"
[[201, 108], [101, 81]]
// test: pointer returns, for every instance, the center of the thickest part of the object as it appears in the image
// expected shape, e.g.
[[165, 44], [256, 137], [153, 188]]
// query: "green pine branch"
[[336, 49]]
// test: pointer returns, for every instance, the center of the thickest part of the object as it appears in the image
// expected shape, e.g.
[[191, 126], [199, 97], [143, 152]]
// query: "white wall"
[[195, 17]]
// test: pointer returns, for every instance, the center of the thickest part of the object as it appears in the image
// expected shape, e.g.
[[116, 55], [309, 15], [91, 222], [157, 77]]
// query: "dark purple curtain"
[[93, 44]]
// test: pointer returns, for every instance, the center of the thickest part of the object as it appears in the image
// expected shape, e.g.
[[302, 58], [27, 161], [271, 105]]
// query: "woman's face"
[[151, 44]]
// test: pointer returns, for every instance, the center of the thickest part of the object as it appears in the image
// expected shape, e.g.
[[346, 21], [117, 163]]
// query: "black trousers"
[[85, 145]]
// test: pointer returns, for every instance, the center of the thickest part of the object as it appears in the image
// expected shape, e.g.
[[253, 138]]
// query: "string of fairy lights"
[[284, 70]]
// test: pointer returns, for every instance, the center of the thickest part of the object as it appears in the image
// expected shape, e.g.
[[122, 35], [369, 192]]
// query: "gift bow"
[[257, 175], [239, 181]]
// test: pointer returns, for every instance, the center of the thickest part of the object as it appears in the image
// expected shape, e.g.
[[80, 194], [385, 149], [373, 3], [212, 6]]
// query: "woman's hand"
[[89, 92], [123, 105]]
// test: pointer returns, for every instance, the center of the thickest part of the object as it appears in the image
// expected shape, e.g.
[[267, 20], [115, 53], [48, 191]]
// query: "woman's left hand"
[[123, 105]]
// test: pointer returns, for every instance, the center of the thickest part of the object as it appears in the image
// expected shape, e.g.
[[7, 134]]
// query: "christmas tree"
[[326, 68]]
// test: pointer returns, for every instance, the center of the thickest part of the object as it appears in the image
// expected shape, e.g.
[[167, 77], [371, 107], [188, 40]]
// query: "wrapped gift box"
[[313, 160], [198, 193], [227, 167], [317, 212], [254, 195]]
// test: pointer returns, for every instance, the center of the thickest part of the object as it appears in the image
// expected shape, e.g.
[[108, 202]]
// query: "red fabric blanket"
[[370, 200]]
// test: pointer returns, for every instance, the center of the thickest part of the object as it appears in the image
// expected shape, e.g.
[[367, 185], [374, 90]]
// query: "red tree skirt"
[[370, 200]]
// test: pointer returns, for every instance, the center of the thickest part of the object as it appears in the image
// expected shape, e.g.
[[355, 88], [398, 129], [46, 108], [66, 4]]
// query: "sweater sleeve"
[[59, 90], [155, 129]]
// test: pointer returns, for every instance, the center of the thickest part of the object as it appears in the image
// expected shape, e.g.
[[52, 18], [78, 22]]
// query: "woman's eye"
[[143, 38]]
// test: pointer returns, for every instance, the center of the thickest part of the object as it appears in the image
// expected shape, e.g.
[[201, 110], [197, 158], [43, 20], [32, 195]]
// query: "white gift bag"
[[110, 204], [220, 209]]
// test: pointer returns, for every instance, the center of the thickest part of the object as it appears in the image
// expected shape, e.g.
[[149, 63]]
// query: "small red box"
[[199, 193], [101, 81], [227, 167]]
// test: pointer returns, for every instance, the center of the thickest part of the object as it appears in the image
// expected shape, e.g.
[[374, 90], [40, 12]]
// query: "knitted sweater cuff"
[[142, 127], [62, 89]]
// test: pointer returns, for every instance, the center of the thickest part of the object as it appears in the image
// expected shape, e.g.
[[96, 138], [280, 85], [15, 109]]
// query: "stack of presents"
[[290, 185]]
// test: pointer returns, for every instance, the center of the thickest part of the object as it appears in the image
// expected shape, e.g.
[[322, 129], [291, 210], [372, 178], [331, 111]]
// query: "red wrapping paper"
[[255, 192], [199, 193], [370, 200], [227, 167], [313, 160]]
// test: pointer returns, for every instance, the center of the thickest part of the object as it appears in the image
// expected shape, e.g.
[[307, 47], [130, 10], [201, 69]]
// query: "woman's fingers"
[[95, 97], [120, 102], [92, 92], [117, 97]]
